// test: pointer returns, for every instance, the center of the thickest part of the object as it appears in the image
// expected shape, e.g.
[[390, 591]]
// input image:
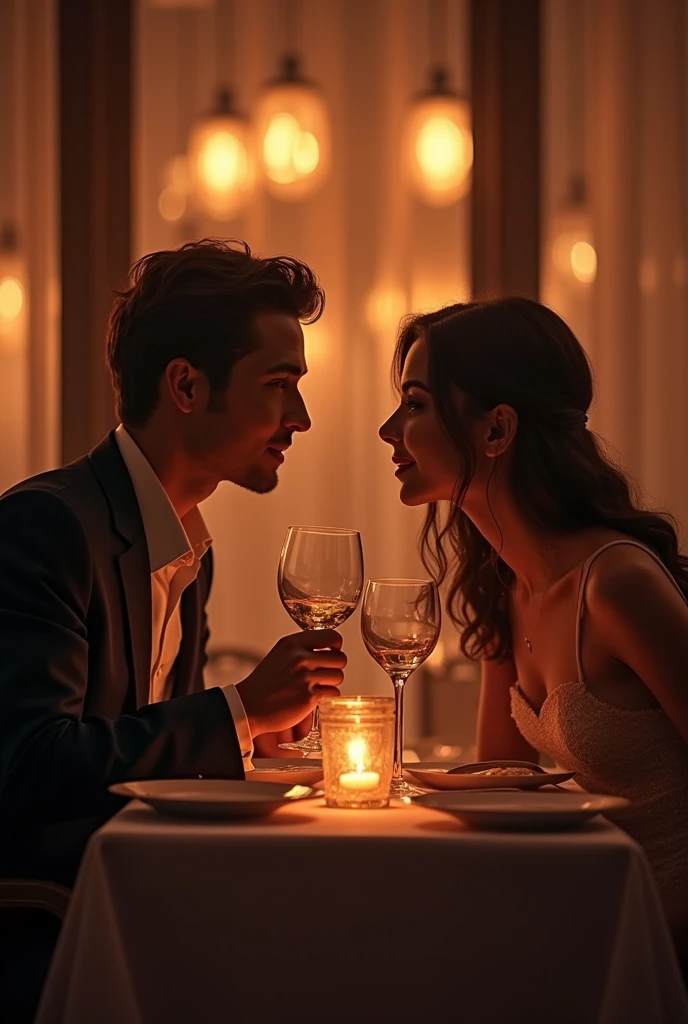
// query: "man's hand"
[[296, 675]]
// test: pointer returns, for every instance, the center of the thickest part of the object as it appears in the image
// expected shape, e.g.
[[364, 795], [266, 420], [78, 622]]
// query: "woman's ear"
[[501, 424]]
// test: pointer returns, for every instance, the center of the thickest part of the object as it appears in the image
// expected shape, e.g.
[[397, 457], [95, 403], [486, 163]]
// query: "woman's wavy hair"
[[199, 303], [519, 353]]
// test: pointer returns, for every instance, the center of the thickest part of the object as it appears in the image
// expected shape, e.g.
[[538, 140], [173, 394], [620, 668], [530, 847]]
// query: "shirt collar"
[[169, 538]]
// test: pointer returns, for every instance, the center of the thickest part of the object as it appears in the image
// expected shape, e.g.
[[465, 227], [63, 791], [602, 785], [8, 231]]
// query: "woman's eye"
[[411, 405]]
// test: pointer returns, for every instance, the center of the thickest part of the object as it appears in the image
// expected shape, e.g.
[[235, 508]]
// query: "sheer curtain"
[[616, 90]]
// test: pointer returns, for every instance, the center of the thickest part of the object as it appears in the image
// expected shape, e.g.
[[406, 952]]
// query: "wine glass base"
[[401, 790], [309, 746]]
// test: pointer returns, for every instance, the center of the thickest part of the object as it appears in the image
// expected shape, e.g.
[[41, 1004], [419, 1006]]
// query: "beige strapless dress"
[[637, 754]]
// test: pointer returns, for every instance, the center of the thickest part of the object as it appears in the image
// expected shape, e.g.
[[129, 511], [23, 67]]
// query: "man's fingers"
[[325, 677], [321, 692], [313, 661], [316, 639]]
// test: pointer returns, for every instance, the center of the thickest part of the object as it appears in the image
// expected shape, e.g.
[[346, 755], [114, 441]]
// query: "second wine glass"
[[320, 580], [400, 623]]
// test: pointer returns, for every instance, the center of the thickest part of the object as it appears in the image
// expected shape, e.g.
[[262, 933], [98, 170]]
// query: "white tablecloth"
[[319, 915]]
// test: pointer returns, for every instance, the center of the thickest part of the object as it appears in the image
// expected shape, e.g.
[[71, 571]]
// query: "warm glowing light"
[[357, 753], [220, 168], [11, 299], [171, 203], [292, 128], [385, 306], [575, 256], [583, 261], [439, 148], [174, 197]]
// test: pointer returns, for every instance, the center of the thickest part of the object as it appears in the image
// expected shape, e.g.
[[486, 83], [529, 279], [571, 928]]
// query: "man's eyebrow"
[[415, 384], [293, 368]]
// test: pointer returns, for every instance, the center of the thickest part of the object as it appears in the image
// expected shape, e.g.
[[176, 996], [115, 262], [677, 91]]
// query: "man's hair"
[[198, 303]]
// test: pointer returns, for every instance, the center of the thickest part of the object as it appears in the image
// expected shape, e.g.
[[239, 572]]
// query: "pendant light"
[[219, 160], [292, 126], [438, 140], [12, 290], [573, 248]]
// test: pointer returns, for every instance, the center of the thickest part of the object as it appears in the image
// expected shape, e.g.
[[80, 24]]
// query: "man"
[[106, 564]]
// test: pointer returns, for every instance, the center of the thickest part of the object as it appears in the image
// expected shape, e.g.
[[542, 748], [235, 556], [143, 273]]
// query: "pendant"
[[528, 644]]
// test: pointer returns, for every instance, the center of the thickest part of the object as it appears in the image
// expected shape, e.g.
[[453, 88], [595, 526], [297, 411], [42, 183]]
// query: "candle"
[[359, 781], [358, 735]]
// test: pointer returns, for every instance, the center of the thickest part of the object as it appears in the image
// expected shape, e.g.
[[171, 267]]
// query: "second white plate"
[[302, 771], [433, 774], [514, 811]]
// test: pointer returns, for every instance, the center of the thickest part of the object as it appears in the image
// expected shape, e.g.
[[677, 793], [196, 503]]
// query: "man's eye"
[[279, 383]]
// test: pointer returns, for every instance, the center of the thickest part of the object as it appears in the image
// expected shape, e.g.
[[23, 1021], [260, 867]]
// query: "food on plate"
[[514, 770]]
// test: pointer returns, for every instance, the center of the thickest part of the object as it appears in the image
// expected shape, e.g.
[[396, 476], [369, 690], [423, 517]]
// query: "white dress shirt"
[[175, 549]]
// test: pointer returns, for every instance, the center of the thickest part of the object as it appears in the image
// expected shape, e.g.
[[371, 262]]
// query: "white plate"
[[527, 811], [302, 772], [214, 798], [433, 774]]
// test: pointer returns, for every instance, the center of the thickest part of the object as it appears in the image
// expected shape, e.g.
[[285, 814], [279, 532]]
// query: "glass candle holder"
[[358, 747]]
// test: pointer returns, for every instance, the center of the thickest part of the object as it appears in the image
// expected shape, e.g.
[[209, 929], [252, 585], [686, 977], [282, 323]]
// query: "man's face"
[[244, 441]]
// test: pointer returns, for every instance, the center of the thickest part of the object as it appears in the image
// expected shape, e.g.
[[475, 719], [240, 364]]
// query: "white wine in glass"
[[320, 579], [400, 624]]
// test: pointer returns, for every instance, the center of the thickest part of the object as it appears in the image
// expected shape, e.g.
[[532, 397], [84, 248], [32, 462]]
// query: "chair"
[[450, 692], [34, 894], [31, 913]]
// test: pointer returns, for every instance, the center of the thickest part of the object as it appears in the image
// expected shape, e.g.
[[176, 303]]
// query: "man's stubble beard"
[[257, 481]]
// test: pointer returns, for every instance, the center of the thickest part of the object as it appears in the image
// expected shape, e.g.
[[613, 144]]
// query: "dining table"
[[318, 914]]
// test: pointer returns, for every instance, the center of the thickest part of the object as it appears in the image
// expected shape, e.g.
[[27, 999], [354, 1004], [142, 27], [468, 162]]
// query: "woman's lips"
[[403, 467]]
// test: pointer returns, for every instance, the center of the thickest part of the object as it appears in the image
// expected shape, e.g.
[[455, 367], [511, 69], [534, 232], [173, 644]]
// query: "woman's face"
[[428, 465]]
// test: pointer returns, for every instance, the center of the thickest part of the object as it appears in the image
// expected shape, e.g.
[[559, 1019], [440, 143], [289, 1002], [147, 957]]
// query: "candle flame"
[[357, 754]]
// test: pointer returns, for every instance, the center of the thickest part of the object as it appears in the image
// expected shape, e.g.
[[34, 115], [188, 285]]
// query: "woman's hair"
[[519, 353], [198, 303]]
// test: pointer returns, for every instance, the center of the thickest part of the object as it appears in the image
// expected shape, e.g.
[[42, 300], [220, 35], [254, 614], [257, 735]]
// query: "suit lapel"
[[134, 563], [135, 569]]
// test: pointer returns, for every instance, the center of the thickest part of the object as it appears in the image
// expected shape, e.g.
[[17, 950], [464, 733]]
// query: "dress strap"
[[585, 572]]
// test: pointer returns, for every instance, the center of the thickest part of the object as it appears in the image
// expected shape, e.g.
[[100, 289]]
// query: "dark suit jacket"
[[75, 658]]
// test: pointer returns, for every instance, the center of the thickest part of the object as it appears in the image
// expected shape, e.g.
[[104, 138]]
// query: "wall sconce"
[[220, 165], [13, 299], [438, 143], [293, 134], [573, 249]]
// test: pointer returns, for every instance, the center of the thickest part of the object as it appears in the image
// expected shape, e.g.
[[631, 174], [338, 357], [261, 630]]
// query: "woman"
[[571, 594]]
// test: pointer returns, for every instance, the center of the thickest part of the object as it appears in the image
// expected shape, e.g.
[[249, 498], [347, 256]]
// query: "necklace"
[[528, 641]]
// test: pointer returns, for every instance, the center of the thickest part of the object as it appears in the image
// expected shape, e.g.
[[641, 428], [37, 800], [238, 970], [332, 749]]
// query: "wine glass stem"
[[397, 773], [315, 724]]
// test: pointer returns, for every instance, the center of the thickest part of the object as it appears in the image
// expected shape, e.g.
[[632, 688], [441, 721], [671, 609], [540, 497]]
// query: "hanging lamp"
[[573, 247], [292, 126], [438, 139], [12, 288], [220, 166]]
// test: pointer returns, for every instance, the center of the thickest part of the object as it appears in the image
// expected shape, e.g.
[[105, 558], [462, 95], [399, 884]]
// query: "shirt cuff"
[[238, 713]]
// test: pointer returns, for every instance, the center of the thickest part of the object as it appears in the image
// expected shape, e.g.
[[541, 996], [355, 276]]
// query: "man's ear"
[[501, 424], [184, 384]]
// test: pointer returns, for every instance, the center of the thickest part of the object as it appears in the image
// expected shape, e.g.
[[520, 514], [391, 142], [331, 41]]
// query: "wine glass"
[[400, 623], [320, 579]]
